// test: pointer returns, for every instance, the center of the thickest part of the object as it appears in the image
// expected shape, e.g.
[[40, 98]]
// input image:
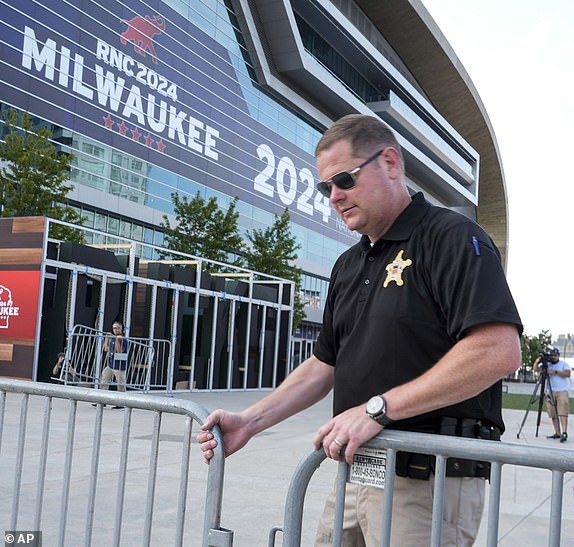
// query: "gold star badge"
[[395, 269]]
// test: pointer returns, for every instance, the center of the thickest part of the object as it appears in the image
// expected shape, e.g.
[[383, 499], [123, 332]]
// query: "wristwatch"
[[377, 410]]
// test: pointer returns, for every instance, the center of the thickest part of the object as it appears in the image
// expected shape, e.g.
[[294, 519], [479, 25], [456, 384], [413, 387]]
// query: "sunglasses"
[[345, 180]]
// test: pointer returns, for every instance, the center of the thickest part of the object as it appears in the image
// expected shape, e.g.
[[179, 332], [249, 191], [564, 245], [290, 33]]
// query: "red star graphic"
[[160, 145], [135, 134], [109, 123], [122, 128], [148, 140]]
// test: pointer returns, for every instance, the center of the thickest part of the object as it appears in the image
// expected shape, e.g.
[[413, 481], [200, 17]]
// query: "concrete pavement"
[[256, 478]]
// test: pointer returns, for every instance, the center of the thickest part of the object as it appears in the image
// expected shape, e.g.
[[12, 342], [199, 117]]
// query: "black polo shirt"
[[395, 308]]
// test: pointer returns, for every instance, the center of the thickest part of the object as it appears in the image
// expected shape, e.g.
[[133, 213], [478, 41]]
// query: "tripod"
[[541, 383]]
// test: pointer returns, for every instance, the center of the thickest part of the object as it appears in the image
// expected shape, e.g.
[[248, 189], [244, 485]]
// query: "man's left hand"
[[350, 429]]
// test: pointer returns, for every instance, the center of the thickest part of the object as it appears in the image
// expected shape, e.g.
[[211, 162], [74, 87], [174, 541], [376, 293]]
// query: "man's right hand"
[[306, 385], [234, 430]]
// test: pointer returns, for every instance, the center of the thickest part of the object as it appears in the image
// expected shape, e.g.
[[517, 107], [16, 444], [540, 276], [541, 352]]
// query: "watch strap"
[[381, 417]]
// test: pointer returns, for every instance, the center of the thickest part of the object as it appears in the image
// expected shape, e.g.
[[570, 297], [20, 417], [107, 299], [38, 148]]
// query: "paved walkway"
[[257, 477]]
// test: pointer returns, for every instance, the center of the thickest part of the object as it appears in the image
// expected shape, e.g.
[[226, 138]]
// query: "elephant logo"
[[141, 32]]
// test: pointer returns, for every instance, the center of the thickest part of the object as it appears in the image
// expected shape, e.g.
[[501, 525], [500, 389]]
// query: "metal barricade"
[[149, 366], [557, 461], [105, 477]]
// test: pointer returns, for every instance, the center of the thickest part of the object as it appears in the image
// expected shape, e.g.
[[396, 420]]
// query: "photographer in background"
[[558, 372], [70, 371]]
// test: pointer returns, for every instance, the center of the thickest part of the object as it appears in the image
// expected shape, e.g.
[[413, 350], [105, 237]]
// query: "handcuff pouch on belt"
[[420, 466]]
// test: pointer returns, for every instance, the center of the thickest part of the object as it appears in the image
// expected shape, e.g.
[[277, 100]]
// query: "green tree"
[[273, 252], [203, 229], [34, 175], [532, 346]]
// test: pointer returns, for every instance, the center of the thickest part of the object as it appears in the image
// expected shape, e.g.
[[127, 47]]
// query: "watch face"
[[375, 405]]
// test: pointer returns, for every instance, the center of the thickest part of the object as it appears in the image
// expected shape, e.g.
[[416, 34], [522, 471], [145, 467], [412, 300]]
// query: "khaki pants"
[[412, 514], [119, 376], [562, 403]]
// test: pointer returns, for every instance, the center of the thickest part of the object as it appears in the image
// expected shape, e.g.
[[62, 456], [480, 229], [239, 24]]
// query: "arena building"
[[229, 98]]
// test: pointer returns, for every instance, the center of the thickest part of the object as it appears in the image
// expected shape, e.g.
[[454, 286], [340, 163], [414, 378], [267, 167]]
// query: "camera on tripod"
[[543, 387], [544, 360]]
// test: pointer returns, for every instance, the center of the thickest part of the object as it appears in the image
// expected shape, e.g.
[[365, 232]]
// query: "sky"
[[519, 55]]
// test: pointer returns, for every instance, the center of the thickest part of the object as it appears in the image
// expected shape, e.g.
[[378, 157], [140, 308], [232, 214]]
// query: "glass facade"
[[108, 166], [161, 97], [336, 64]]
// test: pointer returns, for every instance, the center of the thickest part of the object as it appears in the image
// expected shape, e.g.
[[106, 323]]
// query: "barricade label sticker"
[[369, 466]]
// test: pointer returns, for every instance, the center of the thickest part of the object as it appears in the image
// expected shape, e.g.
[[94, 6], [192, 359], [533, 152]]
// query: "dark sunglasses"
[[344, 180]]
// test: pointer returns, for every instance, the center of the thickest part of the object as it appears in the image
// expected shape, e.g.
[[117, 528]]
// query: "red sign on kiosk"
[[19, 292]]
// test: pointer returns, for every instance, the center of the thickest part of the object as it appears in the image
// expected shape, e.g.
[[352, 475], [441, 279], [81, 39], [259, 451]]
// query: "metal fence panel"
[[103, 476], [557, 461], [149, 364]]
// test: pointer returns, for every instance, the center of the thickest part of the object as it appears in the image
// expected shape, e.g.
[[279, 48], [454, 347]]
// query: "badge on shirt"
[[369, 466], [395, 269]]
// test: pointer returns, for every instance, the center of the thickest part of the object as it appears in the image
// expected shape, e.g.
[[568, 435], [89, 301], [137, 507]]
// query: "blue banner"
[[145, 80]]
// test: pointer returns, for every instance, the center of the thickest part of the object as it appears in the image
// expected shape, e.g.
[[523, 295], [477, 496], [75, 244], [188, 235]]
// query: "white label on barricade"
[[369, 466]]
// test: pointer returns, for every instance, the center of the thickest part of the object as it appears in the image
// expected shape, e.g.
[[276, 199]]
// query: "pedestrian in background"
[[116, 347], [69, 371], [556, 395]]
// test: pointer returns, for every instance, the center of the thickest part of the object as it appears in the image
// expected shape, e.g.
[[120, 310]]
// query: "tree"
[[204, 230], [34, 174], [273, 252], [532, 346]]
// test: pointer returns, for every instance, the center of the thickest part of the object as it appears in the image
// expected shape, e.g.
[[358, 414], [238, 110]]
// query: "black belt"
[[420, 466]]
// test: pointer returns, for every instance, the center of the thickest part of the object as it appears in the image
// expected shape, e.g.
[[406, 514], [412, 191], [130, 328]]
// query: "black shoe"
[[96, 404], [564, 437], [116, 407], [555, 436]]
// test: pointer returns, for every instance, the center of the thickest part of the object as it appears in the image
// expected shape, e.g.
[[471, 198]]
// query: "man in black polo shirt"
[[418, 330]]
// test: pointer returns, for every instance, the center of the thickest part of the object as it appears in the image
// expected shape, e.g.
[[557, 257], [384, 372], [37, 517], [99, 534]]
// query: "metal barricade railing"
[[149, 366], [62, 477], [558, 461]]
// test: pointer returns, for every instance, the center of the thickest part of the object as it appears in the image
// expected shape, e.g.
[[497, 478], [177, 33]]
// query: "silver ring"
[[338, 442]]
